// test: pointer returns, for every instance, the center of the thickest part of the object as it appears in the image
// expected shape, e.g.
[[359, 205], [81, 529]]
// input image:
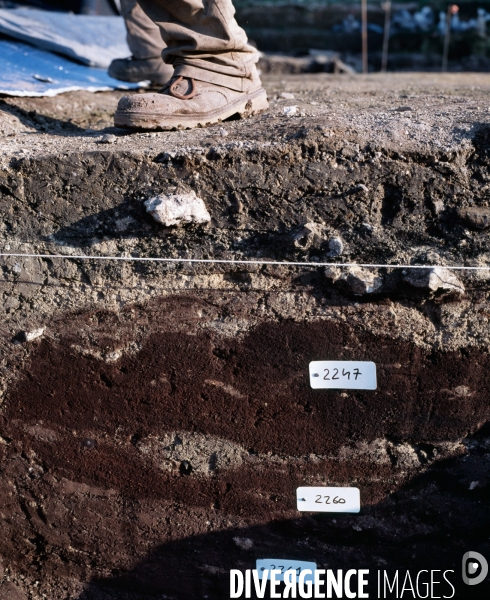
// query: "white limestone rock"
[[177, 209], [29, 336], [290, 111]]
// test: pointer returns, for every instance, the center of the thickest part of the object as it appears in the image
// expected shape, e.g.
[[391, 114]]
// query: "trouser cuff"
[[239, 84]]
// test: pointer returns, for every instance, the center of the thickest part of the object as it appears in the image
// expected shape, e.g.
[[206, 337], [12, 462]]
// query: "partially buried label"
[[343, 375], [283, 565]]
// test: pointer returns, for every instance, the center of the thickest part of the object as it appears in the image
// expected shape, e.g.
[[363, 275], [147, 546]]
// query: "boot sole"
[[245, 106]]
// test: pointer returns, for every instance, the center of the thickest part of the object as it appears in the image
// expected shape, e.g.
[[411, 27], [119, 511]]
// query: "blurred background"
[[421, 35]]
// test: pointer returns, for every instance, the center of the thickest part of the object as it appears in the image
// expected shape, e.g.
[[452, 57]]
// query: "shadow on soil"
[[428, 524]]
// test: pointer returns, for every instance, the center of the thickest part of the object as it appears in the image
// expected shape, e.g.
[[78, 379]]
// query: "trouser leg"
[[143, 36], [204, 41]]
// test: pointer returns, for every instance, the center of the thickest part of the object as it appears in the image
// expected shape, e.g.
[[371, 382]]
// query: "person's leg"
[[146, 45], [204, 41], [143, 36], [215, 69]]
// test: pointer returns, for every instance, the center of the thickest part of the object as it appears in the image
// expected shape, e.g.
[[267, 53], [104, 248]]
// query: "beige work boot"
[[185, 103], [134, 70]]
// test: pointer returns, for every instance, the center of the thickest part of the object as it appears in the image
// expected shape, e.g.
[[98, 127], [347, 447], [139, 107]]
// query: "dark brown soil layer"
[[165, 387], [72, 419]]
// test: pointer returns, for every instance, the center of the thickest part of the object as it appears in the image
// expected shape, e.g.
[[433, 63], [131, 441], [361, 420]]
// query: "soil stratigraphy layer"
[[156, 419]]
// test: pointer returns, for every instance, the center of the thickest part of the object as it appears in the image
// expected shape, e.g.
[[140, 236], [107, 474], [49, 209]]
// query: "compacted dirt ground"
[[157, 418]]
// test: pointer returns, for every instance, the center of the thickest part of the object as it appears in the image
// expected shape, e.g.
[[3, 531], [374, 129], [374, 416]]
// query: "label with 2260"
[[328, 499]]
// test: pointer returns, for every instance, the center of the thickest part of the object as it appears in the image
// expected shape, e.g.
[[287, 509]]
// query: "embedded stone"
[[434, 279], [290, 111], [310, 233], [477, 217], [357, 280], [335, 247], [177, 209]]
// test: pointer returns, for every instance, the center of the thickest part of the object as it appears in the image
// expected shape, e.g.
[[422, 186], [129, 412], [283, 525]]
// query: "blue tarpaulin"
[[28, 71], [92, 40]]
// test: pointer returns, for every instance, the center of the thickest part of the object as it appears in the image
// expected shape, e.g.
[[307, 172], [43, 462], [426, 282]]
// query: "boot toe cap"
[[138, 102]]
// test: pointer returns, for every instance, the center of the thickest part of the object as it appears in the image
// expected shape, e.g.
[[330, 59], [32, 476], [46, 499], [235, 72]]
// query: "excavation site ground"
[[156, 418]]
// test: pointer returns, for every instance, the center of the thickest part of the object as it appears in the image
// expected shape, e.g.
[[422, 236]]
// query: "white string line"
[[223, 261]]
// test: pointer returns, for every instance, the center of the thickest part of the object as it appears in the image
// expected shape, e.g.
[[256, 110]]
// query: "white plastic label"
[[343, 375], [283, 565], [328, 499]]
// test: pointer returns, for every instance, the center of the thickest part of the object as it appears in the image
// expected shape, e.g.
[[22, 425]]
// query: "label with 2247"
[[329, 499], [343, 375]]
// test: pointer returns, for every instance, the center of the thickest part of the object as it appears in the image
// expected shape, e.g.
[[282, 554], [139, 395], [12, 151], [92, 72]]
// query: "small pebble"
[[27, 336], [34, 334], [335, 246], [243, 543], [223, 132], [88, 444], [287, 96], [107, 138], [290, 111]]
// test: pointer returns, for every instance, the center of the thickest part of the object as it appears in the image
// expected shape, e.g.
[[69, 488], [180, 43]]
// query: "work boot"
[[134, 70], [185, 103]]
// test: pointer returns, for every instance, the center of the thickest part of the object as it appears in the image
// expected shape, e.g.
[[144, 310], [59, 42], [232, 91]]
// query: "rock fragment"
[[362, 281], [311, 233], [335, 247], [34, 334], [477, 217], [28, 336], [243, 543], [356, 280], [290, 111], [177, 209], [359, 188], [434, 279], [107, 138]]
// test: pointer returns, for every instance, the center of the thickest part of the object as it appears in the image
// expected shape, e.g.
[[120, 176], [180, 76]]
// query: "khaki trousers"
[[144, 39], [201, 39]]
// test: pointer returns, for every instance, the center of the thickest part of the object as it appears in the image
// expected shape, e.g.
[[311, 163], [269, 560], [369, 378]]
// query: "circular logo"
[[475, 568]]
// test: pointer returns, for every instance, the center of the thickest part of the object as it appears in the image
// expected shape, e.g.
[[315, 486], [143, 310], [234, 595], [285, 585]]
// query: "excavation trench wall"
[[157, 418]]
